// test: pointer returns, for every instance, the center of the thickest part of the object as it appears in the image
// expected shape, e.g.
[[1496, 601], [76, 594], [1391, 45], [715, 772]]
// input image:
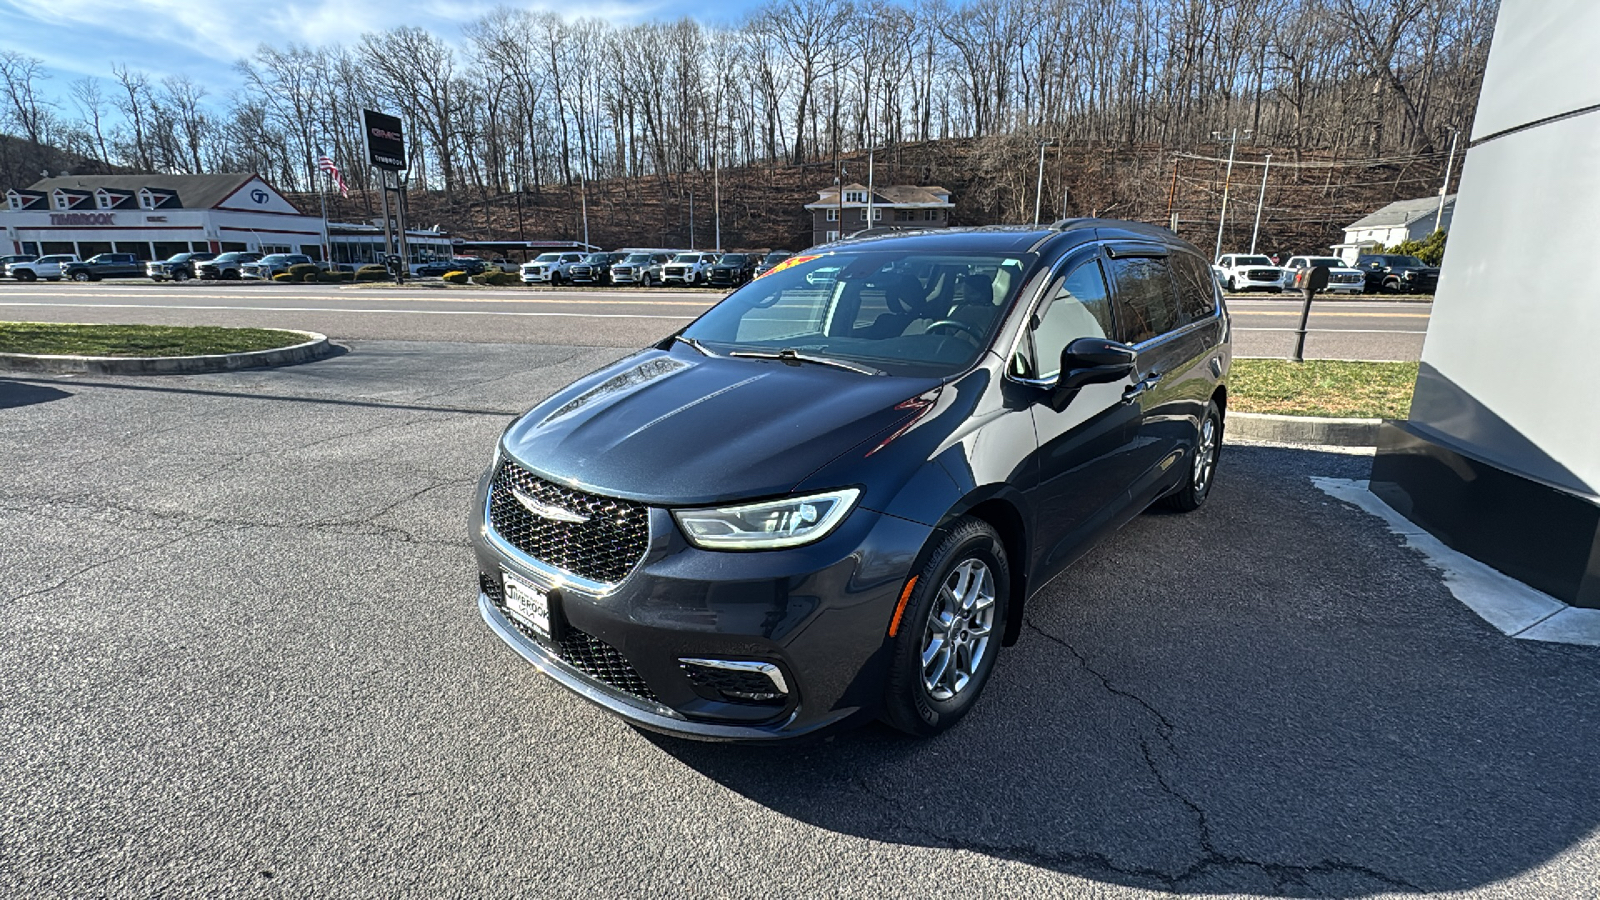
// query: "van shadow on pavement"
[[1270, 695]]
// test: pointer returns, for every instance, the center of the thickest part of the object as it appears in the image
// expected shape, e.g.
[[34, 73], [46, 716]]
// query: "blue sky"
[[203, 38]]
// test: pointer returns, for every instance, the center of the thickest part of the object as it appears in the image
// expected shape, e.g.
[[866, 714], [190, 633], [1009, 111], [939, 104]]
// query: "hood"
[[675, 428]]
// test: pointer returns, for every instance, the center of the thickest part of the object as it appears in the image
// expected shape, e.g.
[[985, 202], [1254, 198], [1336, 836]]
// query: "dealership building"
[[156, 216]]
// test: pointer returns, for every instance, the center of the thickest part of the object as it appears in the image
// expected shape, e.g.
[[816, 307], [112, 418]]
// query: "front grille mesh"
[[605, 548], [578, 649]]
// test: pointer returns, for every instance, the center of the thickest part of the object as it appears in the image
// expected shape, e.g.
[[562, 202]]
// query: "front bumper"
[[819, 612]]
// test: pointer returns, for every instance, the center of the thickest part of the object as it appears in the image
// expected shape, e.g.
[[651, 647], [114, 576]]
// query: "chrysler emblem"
[[546, 511]]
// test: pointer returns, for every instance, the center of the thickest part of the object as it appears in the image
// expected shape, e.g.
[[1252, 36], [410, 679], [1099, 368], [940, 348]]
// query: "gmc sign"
[[386, 145]]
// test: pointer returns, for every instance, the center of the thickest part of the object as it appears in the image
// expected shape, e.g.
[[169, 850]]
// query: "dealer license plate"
[[527, 604]]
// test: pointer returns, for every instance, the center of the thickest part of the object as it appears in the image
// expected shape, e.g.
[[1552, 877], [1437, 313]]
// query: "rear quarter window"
[[1197, 290]]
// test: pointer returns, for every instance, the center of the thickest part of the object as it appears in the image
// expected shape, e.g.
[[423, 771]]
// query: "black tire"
[[230, 274], [1192, 494], [910, 705], [180, 275], [81, 276], [26, 275], [1233, 286], [1391, 286]]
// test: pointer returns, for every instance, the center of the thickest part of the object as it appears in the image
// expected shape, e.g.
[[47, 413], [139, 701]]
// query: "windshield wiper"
[[789, 354], [695, 344]]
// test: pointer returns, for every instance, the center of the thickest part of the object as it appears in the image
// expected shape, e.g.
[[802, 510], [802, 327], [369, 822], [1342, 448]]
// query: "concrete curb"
[[1303, 430], [316, 346]]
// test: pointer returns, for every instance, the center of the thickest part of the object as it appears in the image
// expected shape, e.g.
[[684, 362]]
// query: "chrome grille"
[[1262, 274], [605, 548], [578, 649]]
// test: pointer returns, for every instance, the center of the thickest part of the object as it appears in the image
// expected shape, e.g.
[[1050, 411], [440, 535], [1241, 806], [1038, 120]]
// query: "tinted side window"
[[1197, 290], [1077, 307], [1146, 306]]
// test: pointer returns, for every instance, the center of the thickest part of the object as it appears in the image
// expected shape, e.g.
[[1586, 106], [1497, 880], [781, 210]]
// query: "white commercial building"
[[1400, 221], [155, 216]]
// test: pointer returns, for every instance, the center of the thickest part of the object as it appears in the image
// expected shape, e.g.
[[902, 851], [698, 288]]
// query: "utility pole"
[[1438, 219], [870, 148], [691, 220], [583, 198], [1172, 195], [1260, 199], [716, 194], [840, 182], [1038, 192], [1222, 218]]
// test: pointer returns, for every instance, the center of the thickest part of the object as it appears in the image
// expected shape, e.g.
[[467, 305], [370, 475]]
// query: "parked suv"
[[1341, 278], [21, 258], [227, 267], [594, 268], [272, 264], [104, 265], [688, 268], [178, 267], [1394, 274], [46, 267], [732, 270], [771, 261], [641, 268], [1241, 272], [766, 526], [550, 268]]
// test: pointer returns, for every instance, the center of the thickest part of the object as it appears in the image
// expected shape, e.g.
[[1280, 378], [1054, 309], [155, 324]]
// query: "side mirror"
[[1094, 361]]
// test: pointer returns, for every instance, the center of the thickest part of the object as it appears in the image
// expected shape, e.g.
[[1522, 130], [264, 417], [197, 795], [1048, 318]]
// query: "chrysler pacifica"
[[831, 497]]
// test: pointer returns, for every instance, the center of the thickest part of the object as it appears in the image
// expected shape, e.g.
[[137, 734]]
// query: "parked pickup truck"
[[104, 265], [46, 267]]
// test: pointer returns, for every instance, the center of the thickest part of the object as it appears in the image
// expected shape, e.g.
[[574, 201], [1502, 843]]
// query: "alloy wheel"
[[960, 625], [1205, 456]]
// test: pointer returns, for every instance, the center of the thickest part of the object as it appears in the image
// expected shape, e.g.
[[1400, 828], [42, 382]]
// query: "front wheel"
[[1202, 464], [80, 276], [180, 275], [947, 635], [1232, 285]]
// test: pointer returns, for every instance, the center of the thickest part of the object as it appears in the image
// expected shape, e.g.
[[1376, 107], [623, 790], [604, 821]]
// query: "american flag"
[[325, 163]]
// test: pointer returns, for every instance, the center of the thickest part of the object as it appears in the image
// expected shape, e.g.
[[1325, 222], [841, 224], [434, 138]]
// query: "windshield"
[[1402, 261], [686, 258], [1251, 261], [597, 258], [1329, 261], [547, 257], [903, 313], [178, 257], [638, 258], [776, 257], [733, 259]]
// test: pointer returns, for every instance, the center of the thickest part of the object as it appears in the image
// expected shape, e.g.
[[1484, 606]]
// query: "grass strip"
[[138, 340], [1322, 387]]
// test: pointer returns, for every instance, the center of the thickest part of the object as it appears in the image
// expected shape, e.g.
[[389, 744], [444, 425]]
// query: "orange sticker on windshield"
[[791, 261]]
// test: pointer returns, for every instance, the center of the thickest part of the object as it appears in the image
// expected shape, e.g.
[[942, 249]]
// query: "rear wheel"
[[80, 276], [1202, 464], [949, 632]]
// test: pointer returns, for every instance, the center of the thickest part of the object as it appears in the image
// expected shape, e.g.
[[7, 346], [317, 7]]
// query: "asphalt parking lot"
[[244, 658]]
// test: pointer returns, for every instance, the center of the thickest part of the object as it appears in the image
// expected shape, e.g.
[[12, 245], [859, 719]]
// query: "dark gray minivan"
[[831, 497]]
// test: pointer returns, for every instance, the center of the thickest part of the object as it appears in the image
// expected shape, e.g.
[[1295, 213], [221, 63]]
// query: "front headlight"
[[764, 526]]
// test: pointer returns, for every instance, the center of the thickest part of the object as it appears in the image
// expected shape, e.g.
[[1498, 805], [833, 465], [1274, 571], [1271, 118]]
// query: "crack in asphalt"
[[1284, 875], [77, 573]]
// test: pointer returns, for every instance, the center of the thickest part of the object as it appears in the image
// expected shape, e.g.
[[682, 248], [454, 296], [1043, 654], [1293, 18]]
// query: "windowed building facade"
[[900, 206]]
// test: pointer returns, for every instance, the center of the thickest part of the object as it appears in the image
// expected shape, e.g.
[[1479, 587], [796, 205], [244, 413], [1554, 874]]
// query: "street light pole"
[[1260, 199], [1438, 219], [1038, 192], [1227, 181]]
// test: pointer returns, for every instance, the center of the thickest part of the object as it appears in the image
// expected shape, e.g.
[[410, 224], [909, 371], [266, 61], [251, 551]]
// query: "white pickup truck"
[[46, 267], [1342, 278], [1244, 272]]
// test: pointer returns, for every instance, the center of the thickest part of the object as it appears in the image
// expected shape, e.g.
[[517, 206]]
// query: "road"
[[1341, 329], [243, 658]]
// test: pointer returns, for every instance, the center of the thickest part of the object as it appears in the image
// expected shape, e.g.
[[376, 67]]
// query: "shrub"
[[455, 277], [372, 273], [326, 278], [282, 277], [504, 279], [1430, 249], [347, 276], [301, 270]]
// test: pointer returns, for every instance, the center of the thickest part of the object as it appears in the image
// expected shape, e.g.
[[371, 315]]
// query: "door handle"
[[1146, 383]]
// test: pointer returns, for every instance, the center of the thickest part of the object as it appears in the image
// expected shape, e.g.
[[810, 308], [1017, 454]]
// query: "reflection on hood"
[[649, 370]]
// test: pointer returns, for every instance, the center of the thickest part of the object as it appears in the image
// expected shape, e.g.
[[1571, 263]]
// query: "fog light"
[[736, 681]]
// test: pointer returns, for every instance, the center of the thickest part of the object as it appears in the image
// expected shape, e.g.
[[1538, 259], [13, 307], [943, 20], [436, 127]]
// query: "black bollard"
[[1309, 281]]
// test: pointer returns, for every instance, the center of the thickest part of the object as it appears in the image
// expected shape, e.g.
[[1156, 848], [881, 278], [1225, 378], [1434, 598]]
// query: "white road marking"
[[1335, 330], [335, 309]]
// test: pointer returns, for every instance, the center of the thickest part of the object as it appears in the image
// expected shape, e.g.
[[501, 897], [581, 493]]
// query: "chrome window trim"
[[1074, 258]]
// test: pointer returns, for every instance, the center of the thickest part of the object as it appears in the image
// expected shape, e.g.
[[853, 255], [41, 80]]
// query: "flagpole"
[[327, 242]]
